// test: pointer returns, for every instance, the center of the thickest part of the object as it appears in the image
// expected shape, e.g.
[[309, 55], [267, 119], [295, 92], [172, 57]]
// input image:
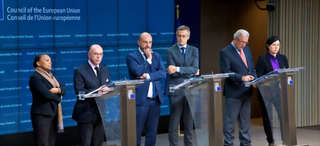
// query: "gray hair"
[[183, 27], [240, 32]]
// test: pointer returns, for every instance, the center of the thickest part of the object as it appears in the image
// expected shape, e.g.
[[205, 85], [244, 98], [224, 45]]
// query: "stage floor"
[[310, 136]]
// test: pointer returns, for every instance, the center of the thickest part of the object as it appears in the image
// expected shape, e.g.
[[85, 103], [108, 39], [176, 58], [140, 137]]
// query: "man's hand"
[[197, 73], [172, 69], [144, 76], [247, 78], [104, 90], [148, 53]]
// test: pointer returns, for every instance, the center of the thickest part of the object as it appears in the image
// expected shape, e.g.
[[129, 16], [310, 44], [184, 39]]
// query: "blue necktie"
[[183, 49]]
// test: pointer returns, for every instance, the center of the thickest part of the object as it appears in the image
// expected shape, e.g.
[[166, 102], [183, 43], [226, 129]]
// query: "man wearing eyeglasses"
[[236, 57]]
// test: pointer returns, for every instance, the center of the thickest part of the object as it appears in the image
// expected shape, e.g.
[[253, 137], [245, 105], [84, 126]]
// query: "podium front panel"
[[271, 96], [198, 99], [109, 109]]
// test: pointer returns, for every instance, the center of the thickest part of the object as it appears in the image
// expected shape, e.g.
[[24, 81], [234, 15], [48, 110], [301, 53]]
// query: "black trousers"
[[44, 130], [92, 133], [266, 121]]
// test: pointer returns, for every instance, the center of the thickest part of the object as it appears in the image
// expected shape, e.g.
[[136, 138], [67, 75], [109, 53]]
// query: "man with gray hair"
[[183, 63], [236, 57]]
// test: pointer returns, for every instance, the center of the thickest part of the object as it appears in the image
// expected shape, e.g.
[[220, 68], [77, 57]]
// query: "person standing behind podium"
[[236, 57], [146, 64], [87, 78], [183, 63], [271, 61], [47, 93]]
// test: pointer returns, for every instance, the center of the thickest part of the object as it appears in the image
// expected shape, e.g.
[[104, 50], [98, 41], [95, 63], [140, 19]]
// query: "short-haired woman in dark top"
[[268, 62], [46, 109]]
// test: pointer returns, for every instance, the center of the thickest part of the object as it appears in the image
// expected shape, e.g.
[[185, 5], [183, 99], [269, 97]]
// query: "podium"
[[204, 95], [121, 129], [277, 90]]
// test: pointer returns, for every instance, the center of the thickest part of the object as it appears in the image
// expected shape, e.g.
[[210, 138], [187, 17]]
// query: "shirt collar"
[[92, 65], [185, 46], [271, 56], [234, 46]]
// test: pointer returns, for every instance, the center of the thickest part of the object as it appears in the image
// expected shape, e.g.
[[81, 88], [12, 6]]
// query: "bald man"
[[87, 78], [146, 64]]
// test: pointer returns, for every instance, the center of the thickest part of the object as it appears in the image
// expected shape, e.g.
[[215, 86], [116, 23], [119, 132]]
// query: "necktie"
[[98, 74], [183, 49], [243, 58]]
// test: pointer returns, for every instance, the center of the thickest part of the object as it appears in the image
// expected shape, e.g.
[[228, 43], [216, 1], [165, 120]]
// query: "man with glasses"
[[236, 57], [87, 78]]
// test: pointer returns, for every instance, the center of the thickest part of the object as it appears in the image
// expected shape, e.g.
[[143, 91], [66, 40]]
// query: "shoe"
[[271, 144]]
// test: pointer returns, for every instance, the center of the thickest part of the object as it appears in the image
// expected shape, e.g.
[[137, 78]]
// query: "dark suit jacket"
[[43, 101], [230, 61], [188, 64], [85, 80], [137, 66], [264, 65]]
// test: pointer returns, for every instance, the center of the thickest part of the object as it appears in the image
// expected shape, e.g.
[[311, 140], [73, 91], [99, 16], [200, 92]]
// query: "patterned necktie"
[[244, 60]]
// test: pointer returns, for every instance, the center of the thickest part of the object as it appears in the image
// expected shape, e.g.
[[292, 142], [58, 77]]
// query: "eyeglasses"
[[242, 42]]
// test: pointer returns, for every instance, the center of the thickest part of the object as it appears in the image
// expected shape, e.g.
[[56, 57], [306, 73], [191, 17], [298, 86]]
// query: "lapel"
[[268, 63], [179, 54], [104, 74], [140, 57], [91, 74], [188, 53], [281, 61]]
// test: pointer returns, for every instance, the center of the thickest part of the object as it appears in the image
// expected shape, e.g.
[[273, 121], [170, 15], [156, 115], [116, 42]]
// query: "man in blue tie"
[[146, 64], [183, 63]]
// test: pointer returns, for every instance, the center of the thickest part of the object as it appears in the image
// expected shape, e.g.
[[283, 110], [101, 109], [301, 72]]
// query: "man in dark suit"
[[146, 64], [236, 57], [183, 63], [87, 78]]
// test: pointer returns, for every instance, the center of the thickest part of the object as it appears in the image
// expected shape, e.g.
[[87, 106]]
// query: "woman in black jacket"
[[271, 61], [47, 93]]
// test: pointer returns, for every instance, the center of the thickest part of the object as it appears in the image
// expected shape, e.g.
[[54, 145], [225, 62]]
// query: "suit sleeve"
[[79, 82], [37, 84], [170, 61], [160, 71], [225, 67], [195, 64], [135, 68]]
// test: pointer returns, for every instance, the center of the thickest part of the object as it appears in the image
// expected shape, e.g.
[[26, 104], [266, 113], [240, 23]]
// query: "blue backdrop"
[[64, 29]]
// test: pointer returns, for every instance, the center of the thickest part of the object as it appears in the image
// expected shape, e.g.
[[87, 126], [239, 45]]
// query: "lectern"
[[119, 130], [277, 90], [204, 95]]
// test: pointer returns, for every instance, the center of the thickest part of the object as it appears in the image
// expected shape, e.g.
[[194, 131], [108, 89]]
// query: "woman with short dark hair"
[[271, 61], [46, 109]]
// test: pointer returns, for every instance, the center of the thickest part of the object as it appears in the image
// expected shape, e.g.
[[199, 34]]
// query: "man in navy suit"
[[146, 64], [183, 63], [236, 57], [87, 78]]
